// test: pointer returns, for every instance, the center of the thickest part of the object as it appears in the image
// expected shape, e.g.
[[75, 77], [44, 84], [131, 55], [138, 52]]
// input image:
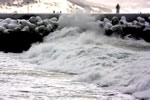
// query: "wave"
[[79, 47]]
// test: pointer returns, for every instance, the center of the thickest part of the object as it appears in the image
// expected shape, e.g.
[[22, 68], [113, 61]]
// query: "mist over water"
[[79, 47]]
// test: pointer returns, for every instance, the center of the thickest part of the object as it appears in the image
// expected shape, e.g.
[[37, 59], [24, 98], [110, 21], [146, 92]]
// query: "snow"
[[35, 24], [2, 29], [33, 20], [26, 29], [140, 19], [49, 27], [7, 31], [39, 29], [27, 23], [13, 26], [79, 47], [54, 20]]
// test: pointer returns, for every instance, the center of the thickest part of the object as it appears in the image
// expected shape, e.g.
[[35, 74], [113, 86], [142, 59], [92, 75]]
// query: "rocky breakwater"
[[18, 35], [120, 27]]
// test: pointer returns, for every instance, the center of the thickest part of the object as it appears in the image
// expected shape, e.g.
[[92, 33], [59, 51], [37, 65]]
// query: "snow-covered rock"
[[141, 20], [46, 22], [135, 22], [108, 26], [54, 20], [116, 28], [13, 26], [123, 20], [26, 29], [2, 29], [106, 20], [38, 18], [40, 29], [7, 20], [33, 20], [49, 27], [27, 23], [7, 31]]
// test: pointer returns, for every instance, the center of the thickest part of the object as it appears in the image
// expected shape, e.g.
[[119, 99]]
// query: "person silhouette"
[[118, 9]]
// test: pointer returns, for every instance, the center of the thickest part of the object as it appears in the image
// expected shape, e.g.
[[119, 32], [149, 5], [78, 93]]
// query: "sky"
[[127, 6]]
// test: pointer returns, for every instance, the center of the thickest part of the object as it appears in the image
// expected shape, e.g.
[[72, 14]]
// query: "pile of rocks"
[[137, 29], [18, 35]]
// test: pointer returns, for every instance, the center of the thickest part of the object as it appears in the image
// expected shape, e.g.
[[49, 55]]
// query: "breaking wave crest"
[[79, 47]]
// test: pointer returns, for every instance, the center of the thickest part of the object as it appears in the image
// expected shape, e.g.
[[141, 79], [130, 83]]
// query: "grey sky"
[[126, 5]]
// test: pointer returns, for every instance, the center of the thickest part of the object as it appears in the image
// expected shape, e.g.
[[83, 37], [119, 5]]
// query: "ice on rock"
[[147, 25], [140, 24], [49, 27], [2, 29], [148, 19], [38, 18], [7, 20], [106, 20], [117, 29], [108, 26], [33, 20], [3, 24], [25, 29], [7, 31], [27, 23], [54, 20], [46, 22], [135, 22], [40, 23], [146, 29], [13, 26], [141, 20], [40, 29], [129, 24], [1, 20], [123, 18]]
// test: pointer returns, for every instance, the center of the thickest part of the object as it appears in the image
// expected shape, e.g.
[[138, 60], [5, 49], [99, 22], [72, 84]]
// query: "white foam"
[[79, 47]]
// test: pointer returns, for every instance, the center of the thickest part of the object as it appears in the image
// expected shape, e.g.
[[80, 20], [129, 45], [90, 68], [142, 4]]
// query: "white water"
[[20, 80], [74, 62], [79, 47]]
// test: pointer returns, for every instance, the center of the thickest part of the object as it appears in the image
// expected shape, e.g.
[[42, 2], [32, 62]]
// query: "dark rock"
[[146, 35], [115, 20], [108, 32], [18, 41]]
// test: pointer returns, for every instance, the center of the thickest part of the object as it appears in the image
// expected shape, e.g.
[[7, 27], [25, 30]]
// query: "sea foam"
[[79, 47]]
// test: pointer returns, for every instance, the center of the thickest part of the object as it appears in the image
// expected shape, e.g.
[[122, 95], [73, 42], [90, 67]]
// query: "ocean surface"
[[20, 80], [77, 62]]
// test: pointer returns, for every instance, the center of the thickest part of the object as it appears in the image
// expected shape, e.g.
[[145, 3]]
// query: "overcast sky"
[[127, 5]]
